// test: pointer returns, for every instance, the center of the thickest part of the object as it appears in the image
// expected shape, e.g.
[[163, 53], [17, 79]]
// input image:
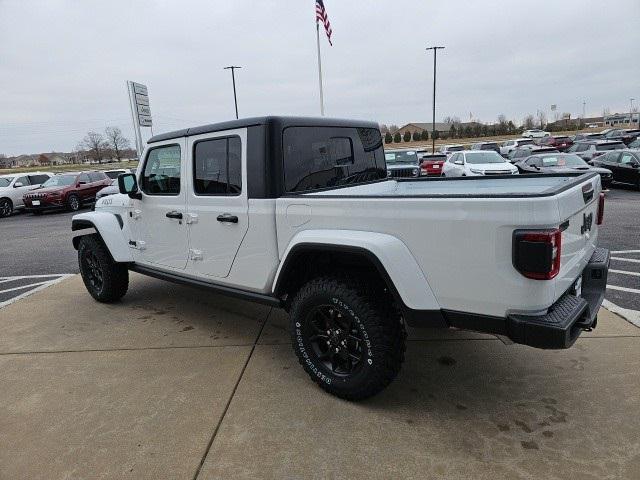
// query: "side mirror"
[[18, 185], [128, 184]]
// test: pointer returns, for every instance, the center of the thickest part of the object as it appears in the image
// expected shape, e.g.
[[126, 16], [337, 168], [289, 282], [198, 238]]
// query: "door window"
[[217, 166], [23, 180], [96, 176], [161, 175], [84, 178], [626, 159], [38, 179]]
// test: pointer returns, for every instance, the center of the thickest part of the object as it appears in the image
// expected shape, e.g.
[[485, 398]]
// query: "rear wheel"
[[73, 202], [6, 207], [107, 281], [348, 339]]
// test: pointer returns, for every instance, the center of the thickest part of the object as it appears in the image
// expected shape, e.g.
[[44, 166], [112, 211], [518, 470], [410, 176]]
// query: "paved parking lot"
[[171, 384]]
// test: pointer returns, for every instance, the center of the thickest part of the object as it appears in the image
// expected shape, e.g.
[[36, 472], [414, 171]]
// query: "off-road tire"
[[73, 203], [372, 312], [6, 207], [94, 259]]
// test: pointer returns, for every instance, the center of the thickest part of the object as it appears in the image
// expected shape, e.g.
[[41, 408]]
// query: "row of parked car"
[[613, 153], [40, 191]]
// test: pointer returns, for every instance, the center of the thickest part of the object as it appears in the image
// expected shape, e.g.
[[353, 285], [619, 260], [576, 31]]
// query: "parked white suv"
[[298, 213], [13, 187], [535, 133], [509, 145], [477, 162]]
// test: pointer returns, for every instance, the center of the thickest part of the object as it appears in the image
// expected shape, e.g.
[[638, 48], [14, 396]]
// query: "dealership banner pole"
[[134, 118]]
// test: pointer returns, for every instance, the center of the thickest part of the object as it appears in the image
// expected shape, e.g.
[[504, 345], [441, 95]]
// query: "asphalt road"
[[38, 245]]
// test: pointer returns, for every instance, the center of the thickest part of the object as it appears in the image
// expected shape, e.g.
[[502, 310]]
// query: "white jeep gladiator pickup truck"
[[299, 213]]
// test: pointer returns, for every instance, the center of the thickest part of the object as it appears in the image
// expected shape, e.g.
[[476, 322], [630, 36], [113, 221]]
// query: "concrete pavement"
[[178, 383]]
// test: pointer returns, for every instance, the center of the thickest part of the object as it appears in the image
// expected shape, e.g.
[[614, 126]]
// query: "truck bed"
[[498, 186]]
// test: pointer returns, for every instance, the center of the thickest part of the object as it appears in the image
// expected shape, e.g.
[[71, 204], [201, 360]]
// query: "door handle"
[[174, 214], [227, 218]]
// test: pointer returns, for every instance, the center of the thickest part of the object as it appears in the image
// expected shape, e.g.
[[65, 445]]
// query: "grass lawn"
[[70, 168]]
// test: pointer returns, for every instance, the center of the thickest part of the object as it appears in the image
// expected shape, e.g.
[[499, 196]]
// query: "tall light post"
[[233, 78], [433, 123], [631, 111]]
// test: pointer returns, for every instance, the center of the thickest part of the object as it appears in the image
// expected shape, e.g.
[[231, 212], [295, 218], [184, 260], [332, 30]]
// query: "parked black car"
[[625, 166], [561, 163], [622, 135], [581, 137]]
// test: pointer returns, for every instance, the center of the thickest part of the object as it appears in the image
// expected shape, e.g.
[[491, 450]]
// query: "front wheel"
[[107, 281], [6, 207], [349, 340]]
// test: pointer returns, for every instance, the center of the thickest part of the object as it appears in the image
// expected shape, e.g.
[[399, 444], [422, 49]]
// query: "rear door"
[[217, 201], [628, 173], [19, 191]]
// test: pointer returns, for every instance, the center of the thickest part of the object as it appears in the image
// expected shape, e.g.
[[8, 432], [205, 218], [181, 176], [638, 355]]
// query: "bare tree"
[[528, 122], [542, 118], [393, 128], [116, 140], [95, 143], [383, 128], [448, 120]]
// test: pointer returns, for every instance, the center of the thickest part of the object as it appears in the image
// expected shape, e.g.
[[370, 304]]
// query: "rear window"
[[611, 146], [97, 176], [113, 174], [324, 157], [455, 149], [488, 146]]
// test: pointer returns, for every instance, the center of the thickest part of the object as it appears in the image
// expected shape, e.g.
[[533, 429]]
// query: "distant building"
[[441, 127], [620, 119]]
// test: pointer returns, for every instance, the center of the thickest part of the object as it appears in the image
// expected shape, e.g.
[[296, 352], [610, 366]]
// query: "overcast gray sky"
[[63, 64]]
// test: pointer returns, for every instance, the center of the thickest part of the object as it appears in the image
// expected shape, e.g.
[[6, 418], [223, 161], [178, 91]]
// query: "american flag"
[[321, 16]]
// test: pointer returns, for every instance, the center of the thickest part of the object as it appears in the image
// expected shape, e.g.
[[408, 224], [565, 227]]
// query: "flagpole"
[[319, 68]]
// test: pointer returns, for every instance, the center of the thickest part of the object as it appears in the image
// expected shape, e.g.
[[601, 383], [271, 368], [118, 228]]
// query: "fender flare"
[[109, 226], [389, 254]]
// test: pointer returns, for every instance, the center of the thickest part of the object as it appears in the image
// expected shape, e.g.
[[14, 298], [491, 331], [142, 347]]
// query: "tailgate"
[[578, 212]]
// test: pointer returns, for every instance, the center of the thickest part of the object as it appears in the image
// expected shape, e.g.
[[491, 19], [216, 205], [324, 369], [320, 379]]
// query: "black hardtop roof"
[[279, 122]]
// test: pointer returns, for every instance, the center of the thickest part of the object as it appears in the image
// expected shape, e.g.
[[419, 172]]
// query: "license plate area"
[[36, 203]]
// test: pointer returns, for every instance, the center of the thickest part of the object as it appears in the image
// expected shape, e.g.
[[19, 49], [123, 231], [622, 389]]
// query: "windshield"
[[476, 158], [114, 173], [5, 181], [401, 157], [60, 181], [458, 148], [524, 142], [553, 161], [611, 146]]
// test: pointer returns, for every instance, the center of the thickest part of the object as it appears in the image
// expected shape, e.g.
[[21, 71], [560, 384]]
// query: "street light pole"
[[433, 123], [631, 111], [233, 78]]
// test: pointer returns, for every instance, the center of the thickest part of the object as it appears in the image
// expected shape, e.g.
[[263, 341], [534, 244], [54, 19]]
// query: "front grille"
[[497, 172], [35, 195], [402, 172]]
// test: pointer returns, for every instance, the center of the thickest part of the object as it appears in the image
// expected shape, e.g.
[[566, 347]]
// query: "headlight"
[[415, 172], [388, 173], [478, 172]]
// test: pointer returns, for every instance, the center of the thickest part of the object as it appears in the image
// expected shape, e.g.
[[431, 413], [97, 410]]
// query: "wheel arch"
[[109, 227], [387, 255]]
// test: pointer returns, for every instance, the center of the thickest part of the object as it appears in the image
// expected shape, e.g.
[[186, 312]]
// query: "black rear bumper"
[[558, 328], [570, 315]]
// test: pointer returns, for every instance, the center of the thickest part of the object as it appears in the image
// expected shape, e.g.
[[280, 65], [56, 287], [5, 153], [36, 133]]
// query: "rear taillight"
[[536, 253], [600, 216]]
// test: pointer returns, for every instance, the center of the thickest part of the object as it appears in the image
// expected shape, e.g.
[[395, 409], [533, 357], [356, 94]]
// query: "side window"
[[626, 159], [23, 180], [217, 168], [321, 157], [96, 176], [84, 178], [453, 158], [38, 179], [161, 175]]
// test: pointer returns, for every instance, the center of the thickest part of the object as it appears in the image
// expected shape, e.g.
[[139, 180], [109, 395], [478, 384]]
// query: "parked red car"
[[66, 190], [431, 164], [560, 143]]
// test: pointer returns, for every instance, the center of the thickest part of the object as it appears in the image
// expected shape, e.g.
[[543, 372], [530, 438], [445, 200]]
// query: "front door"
[[157, 220], [217, 200]]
